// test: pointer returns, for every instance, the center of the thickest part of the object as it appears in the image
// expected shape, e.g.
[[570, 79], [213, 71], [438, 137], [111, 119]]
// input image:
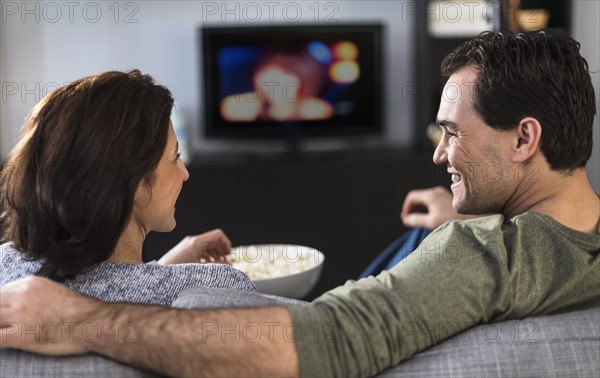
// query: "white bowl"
[[287, 270]]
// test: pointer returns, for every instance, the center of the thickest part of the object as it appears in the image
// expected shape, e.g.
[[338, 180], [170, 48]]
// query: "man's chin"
[[461, 207]]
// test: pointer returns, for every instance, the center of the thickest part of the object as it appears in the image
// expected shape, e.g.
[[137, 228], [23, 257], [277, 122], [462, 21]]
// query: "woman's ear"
[[143, 193], [528, 134]]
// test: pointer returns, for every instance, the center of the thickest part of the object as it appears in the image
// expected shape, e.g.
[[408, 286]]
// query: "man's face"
[[477, 156]]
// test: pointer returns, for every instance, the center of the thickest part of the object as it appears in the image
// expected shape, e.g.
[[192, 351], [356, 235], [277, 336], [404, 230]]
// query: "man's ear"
[[528, 135]]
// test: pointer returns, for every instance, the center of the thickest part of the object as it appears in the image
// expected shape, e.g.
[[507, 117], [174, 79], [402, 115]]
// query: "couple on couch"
[[516, 116]]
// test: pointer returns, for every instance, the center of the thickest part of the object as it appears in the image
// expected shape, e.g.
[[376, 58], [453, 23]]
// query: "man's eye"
[[178, 156]]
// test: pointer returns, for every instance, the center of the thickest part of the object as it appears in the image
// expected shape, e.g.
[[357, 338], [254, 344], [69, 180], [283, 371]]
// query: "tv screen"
[[308, 80]]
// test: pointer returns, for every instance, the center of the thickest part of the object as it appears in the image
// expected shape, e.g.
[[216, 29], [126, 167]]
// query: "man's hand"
[[39, 315], [438, 204], [212, 246]]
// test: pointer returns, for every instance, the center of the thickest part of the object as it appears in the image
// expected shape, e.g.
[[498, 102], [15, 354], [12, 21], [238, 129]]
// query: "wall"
[[47, 44]]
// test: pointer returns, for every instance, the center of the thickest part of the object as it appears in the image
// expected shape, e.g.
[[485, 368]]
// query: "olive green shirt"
[[464, 273]]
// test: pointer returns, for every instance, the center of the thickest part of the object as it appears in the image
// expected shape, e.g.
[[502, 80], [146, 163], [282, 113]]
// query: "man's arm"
[[41, 316]]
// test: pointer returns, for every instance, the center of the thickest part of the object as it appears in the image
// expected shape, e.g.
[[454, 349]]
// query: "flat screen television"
[[301, 80]]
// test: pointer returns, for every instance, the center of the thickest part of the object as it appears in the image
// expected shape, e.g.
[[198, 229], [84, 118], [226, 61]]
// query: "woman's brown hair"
[[68, 187]]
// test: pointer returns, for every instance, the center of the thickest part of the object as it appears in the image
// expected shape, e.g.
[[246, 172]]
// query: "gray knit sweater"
[[140, 283]]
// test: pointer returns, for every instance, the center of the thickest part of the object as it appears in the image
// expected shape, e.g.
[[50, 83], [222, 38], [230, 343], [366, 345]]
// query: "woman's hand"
[[209, 247]]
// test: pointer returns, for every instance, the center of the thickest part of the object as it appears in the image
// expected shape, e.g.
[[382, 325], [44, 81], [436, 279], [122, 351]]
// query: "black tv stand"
[[294, 141]]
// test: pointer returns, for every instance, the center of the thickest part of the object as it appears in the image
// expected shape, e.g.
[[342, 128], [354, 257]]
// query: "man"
[[516, 116]]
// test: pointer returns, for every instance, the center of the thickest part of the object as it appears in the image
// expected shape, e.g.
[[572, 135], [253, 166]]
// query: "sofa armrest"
[[561, 345]]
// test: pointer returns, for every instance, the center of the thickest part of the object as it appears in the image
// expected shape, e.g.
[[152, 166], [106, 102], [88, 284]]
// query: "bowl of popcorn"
[[286, 270]]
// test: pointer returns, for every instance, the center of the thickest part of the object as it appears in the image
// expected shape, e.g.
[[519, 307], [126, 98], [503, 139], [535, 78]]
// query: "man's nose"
[[439, 155]]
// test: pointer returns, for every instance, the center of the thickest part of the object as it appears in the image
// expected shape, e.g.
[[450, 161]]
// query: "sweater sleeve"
[[451, 282]]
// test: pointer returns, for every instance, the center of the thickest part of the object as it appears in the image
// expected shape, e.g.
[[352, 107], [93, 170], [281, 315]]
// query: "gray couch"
[[563, 345]]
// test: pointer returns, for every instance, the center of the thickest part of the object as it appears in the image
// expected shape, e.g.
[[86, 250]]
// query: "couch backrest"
[[556, 345]]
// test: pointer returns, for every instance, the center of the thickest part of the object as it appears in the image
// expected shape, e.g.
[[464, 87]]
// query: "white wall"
[[46, 44]]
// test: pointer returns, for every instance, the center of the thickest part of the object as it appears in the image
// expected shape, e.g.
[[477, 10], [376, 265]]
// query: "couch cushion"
[[562, 345]]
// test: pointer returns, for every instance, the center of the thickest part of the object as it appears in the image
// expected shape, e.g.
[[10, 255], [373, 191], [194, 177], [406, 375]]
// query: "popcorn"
[[270, 261]]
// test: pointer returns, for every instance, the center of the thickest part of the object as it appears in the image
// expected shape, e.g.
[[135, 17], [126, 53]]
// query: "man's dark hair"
[[536, 74], [68, 188]]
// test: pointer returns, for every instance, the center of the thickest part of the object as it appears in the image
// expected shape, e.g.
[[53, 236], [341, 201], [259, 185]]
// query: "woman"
[[97, 169]]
